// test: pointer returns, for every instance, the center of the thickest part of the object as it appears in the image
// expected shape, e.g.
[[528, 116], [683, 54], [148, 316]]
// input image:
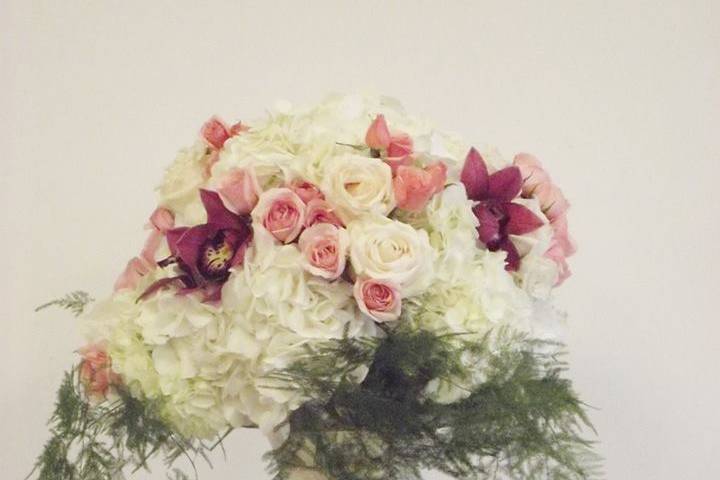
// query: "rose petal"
[[521, 220], [505, 184], [474, 176]]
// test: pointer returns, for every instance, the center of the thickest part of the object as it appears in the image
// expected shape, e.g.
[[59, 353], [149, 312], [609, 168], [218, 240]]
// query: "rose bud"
[[378, 135], [324, 250], [378, 299], [96, 374], [320, 211], [281, 212], [215, 133]]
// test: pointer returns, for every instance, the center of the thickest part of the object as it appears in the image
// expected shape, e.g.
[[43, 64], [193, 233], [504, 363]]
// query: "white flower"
[[358, 186], [384, 249], [179, 189]]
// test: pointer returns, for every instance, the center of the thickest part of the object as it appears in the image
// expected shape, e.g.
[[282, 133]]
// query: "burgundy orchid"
[[205, 253], [499, 217]]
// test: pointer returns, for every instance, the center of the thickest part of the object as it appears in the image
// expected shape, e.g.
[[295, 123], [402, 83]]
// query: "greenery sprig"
[[75, 301], [522, 420], [99, 442]]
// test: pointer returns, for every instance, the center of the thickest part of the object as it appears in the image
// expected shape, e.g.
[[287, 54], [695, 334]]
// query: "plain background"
[[620, 99]]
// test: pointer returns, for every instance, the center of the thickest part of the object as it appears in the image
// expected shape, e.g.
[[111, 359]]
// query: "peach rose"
[[378, 299], [96, 374], [306, 191], [394, 148], [399, 151], [320, 211], [324, 250], [281, 212], [240, 189], [414, 186]]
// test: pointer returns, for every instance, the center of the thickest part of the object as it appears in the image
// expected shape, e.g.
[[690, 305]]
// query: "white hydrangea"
[[178, 191]]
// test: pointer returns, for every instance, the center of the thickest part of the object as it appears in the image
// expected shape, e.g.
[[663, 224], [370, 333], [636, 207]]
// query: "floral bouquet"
[[368, 291]]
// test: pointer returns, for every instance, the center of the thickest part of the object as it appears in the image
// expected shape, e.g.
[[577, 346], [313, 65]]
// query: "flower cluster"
[[345, 220]]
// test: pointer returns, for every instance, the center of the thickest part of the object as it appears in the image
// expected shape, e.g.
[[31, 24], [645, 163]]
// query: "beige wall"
[[621, 99]]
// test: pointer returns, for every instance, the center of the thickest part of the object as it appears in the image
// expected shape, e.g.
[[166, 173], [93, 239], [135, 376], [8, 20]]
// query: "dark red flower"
[[499, 217], [205, 253]]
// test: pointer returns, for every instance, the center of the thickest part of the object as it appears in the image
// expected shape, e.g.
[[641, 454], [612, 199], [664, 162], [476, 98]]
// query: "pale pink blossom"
[[281, 212], [96, 373], [240, 190], [378, 299], [324, 250], [552, 201], [135, 269], [320, 211], [414, 186], [532, 172], [307, 191], [538, 184]]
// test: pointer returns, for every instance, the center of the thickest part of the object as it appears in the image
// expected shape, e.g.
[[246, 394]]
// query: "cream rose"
[[324, 249], [384, 249], [281, 212], [359, 186]]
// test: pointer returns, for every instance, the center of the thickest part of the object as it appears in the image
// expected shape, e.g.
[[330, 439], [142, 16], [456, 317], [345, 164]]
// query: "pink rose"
[[281, 212], [96, 374], [324, 249], [215, 133], [240, 189], [306, 191], [414, 186], [320, 211], [378, 299]]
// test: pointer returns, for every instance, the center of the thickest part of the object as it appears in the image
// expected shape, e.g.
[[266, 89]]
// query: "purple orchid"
[[205, 253], [499, 217]]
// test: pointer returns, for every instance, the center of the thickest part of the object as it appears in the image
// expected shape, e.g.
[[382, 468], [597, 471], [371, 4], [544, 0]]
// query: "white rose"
[[384, 249], [358, 186]]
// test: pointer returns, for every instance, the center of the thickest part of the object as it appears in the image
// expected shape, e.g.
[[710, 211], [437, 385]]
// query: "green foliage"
[[520, 420], [75, 301], [97, 442]]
